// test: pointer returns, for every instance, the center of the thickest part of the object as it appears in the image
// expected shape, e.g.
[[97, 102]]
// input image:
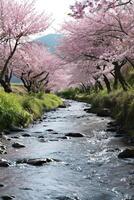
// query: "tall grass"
[[20, 110], [120, 103]]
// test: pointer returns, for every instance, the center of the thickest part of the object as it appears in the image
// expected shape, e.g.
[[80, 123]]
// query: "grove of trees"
[[99, 40], [96, 47], [29, 61]]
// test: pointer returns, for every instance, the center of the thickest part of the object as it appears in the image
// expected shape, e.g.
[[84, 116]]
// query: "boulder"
[[26, 135], [53, 140], [18, 145], [67, 198], [75, 135], [6, 197], [15, 137], [35, 162], [55, 133], [64, 138], [41, 136], [4, 163], [26, 188], [127, 153], [1, 185], [50, 130]]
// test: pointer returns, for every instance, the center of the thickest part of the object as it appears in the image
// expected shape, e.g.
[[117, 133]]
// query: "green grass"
[[69, 93], [120, 103], [21, 109]]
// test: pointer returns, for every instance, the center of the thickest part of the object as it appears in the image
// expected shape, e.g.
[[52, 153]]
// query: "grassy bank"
[[20, 109], [119, 102]]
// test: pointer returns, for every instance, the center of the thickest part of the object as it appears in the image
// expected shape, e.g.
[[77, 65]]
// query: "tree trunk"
[[83, 87], [6, 86], [99, 85], [119, 76], [107, 83], [115, 85], [26, 84]]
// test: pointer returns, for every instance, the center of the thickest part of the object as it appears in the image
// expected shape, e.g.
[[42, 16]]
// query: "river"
[[88, 168]]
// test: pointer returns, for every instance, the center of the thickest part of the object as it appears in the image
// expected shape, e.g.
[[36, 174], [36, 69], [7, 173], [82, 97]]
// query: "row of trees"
[[29, 61], [99, 41], [97, 45]]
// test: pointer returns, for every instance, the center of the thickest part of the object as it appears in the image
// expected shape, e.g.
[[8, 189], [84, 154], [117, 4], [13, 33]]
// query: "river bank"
[[19, 109], [118, 104]]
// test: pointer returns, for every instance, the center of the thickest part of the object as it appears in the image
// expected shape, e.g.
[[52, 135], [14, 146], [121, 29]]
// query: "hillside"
[[50, 40]]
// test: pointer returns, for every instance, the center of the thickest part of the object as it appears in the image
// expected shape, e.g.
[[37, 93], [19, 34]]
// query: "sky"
[[59, 10]]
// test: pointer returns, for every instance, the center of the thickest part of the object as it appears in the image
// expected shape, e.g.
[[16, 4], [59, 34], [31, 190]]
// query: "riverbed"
[[83, 168]]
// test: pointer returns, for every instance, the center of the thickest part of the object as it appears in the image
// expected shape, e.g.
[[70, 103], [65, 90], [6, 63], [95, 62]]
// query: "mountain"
[[15, 80], [50, 40]]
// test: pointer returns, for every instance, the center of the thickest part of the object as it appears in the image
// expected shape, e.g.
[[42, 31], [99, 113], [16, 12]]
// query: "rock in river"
[[2, 149], [4, 163], [26, 135], [6, 197], [75, 135], [41, 136], [127, 153], [36, 161], [67, 198], [18, 145], [1, 185], [16, 129], [15, 137], [43, 140], [88, 110], [64, 138], [50, 130]]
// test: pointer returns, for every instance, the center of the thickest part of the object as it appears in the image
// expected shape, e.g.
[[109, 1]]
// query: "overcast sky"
[[58, 8]]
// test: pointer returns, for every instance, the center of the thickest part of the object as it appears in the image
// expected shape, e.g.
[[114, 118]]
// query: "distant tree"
[[35, 66]]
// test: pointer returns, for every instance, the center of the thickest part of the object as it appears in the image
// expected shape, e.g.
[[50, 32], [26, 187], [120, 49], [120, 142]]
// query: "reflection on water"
[[88, 169]]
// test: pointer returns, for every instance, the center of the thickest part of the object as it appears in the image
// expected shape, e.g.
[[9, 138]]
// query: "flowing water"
[[88, 167]]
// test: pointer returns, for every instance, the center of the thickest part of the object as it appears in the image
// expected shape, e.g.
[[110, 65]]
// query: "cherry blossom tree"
[[83, 50], [83, 7], [18, 21], [35, 66], [101, 34]]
